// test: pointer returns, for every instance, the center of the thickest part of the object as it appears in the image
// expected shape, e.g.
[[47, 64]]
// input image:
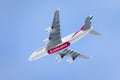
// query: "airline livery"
[[57, 45]]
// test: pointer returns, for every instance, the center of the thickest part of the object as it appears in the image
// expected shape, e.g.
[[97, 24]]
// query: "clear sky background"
[[22, 30]]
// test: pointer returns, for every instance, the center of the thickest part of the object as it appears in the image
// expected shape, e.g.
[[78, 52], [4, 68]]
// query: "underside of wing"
[[55, 36], [73, 55]]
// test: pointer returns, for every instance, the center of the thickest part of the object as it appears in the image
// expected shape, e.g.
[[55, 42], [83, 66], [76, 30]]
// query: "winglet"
[[90, 57], [58, 9]]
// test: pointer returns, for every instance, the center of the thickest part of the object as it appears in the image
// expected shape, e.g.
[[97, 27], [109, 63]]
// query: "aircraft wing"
[[73, 54], [55, 36]]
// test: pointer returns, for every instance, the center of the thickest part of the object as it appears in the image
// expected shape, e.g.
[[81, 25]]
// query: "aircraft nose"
[[31, 58]]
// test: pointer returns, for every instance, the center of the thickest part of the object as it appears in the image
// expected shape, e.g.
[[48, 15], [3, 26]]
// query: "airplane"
[[57, 45]]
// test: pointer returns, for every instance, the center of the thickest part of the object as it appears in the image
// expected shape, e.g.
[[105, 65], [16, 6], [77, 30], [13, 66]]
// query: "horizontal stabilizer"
[[93, 32]]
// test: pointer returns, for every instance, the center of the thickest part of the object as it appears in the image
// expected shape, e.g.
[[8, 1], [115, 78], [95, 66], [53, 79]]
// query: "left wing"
[[72, 54], [55, 36]]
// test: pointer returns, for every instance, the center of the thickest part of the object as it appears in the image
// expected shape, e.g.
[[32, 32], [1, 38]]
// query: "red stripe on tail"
[[82, 28]]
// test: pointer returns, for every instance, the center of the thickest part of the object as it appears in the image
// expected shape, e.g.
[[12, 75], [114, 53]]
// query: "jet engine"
[[58, 59], [46, 41], [70, 60], [49, 29]]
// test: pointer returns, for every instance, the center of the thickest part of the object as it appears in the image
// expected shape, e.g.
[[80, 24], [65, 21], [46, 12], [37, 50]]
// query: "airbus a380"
[[57, 45]]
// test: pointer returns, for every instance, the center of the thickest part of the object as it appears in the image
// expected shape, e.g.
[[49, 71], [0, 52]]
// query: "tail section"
[[87, 26], [93, 32]]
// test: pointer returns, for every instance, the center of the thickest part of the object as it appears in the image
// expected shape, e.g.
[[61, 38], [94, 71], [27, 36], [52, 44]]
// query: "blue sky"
[[22, 30]]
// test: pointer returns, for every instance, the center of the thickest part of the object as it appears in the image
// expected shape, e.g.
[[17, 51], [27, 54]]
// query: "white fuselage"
[[70, 38]]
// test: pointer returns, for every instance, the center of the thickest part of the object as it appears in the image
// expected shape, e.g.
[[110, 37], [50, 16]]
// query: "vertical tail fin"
[[87, 24]]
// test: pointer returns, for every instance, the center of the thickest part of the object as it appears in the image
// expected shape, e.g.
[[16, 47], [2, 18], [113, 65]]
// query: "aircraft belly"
[[38, 54], [78, 36], [58, 48]]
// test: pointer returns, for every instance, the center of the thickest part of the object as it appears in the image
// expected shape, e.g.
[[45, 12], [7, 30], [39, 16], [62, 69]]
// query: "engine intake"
[[70, 61], [46, 41], [49, 29], [58, 59]]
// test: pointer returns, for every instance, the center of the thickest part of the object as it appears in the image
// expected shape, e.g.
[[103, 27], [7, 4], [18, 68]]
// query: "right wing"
[[55, 36]]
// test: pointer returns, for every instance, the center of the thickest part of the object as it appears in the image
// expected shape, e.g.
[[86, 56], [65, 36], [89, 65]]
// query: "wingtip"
[[90, 57], [58, 9]]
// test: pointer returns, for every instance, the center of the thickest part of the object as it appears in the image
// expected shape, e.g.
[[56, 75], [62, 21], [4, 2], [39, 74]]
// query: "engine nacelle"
[[58, 59], [46, 41], [49, 29], [70, 60]]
